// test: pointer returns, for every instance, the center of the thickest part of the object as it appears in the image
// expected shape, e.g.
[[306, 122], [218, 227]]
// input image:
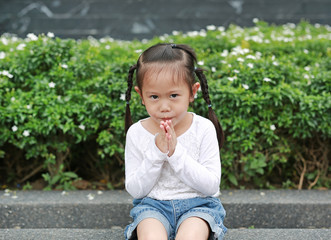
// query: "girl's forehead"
[[170, 73]]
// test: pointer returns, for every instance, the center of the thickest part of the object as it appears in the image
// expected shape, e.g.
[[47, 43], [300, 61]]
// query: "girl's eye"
[[173, 95], [154, 97]]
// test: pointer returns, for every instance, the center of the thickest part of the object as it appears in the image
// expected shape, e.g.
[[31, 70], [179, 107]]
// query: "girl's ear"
[[195, 89], [140, 93]]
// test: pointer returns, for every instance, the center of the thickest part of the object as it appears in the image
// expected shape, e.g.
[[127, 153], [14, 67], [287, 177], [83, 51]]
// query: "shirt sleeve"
[[203, 175], [142, 167]]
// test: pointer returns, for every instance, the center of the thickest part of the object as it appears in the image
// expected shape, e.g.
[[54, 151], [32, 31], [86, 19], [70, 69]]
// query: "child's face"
[[166, 98]]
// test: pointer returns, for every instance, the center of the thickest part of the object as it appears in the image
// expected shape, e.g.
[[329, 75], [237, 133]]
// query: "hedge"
[[62, 105]]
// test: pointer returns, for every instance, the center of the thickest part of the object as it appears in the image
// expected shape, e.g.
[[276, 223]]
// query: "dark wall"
[[128, 19]]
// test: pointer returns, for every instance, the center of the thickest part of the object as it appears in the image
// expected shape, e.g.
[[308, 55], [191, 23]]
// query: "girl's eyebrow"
[[151, 92], [163, 92]]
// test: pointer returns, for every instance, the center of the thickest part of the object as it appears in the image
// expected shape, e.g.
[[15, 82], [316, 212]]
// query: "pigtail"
[[128, 119], [211, 114]]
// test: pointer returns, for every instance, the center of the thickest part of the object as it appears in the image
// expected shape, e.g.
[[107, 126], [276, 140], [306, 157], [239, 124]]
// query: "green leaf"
[[232, 179]]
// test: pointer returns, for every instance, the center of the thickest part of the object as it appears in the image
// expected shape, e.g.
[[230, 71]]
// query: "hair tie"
[[210, 105]]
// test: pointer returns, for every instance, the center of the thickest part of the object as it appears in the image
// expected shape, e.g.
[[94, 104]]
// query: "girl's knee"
[[151, 229], [193, 228]]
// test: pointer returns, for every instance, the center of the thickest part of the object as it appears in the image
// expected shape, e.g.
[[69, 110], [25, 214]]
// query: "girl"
[[172, 159]]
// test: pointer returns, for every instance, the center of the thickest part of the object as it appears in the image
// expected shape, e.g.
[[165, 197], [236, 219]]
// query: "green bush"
[[62, 105]]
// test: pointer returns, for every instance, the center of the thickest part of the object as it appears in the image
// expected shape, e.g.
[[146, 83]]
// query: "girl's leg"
[[151, 229], [193, 228]]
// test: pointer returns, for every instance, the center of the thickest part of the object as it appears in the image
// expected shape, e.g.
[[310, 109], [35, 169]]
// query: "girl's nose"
[[165, 106]]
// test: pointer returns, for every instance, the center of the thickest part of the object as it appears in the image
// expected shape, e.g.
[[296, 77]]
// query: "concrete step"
[[106, 210], [117, 234]]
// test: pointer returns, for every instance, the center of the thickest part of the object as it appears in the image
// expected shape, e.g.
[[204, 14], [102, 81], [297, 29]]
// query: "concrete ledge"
[[117, 234], [91, 210]]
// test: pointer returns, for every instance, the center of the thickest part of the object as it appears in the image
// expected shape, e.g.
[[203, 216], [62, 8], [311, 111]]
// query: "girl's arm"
[[203, 175], [142, 166]]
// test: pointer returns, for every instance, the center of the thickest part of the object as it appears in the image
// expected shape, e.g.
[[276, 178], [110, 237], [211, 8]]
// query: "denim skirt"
[[171, 213]]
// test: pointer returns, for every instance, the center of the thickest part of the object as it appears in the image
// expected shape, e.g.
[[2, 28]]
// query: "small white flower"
[[211, 27], [122, 97], [6, 73], [175, 33], [4, 41], [245, 86], [107, 47], [201, 63], [82, 127], [213, 69], [275, 63], [192, 34], [306, 76], [307, 68], [50, 34], [51, 85], [14, 128], [2, 55], [12, 99], [255, 20], [203, 33], [28, 106], [64, 193], [225, 53], [32, 37], [231, 79], [251, 57], [138, 50], [262, 193], [64, 65], [258, 55], [7, 193], [273, 127], [221, 29], [90, 196], [245, 51], [250, 65], [236, 71], [267, 79], [305, 51], [240, 60], [26, 133], [100, 192]]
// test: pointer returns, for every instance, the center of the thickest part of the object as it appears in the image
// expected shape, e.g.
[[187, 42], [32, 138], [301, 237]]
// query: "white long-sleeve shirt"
[[194, 170]]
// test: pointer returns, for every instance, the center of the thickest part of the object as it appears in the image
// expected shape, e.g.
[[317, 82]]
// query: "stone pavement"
[[117, 234], [251, 214]]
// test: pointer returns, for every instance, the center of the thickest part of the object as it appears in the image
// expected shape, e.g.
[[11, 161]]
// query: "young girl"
[[172, 159]]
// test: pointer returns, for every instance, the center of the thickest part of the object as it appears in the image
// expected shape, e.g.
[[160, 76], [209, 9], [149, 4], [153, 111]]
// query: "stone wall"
[[129, 19]]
